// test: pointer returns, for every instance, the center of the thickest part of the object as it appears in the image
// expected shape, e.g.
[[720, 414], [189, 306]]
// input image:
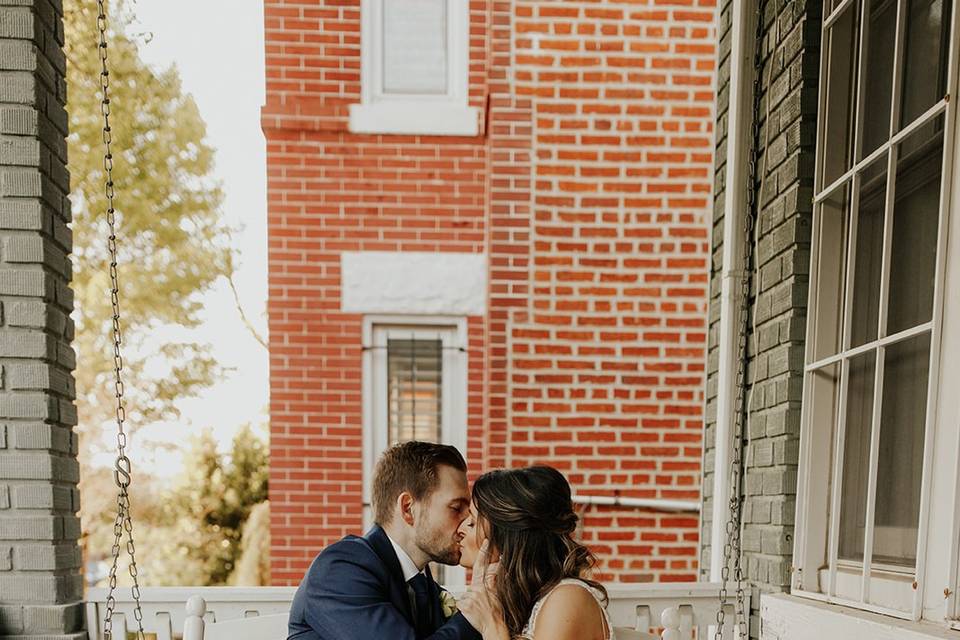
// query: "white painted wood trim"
[[936, 580], [180, 595], [828, 22], [637, 607], [739, 129], [925, 119], [939, 579], [944, 524], [787, 617], [870, 346]]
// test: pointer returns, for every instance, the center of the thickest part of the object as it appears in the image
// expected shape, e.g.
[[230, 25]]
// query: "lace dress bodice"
[[531, 623]]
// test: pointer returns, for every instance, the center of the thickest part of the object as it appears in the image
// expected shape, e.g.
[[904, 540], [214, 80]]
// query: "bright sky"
[[218, 47]]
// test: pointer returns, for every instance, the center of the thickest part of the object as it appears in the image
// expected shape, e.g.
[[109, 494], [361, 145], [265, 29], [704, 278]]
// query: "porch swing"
[[676, 623]]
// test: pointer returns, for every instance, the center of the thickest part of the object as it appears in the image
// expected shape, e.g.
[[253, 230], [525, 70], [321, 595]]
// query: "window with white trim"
[[414, 68], [875, 318], [414, 388]]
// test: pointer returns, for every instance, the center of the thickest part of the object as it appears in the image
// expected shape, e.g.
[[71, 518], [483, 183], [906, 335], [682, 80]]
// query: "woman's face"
[[470, 544]]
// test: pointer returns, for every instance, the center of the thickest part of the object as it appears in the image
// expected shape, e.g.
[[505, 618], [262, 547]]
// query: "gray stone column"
[[41, 584]]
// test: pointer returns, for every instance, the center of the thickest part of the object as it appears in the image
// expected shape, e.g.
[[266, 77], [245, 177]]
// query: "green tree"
[[253, 565], [173, 244], [208, 508], [172, 240], [211, 527]]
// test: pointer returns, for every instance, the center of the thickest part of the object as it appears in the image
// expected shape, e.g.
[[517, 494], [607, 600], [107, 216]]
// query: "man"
[[379, 586]]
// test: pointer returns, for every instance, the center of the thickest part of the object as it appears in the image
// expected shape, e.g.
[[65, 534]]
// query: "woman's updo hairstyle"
[[528, 516]]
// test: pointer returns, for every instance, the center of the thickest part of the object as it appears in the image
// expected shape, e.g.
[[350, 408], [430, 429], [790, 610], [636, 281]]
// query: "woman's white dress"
[[531, 623]]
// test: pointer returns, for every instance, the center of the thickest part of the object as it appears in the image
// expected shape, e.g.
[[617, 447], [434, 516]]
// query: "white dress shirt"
[[407, 565]]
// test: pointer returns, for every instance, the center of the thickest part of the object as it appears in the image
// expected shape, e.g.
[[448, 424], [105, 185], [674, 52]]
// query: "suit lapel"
[[399, 595]]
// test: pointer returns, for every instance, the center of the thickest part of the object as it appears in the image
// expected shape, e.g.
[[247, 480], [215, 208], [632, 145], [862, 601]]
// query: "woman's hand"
[[479, 605]]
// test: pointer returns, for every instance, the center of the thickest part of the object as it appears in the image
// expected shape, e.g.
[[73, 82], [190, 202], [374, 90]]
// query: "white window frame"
[[452, 332], [930, 594], [427, 114]]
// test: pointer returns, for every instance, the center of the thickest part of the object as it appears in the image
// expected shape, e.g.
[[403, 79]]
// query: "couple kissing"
[[514, 530]]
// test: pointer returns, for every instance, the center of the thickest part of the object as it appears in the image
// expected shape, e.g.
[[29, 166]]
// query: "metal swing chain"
[[732, 549], [121, 474]]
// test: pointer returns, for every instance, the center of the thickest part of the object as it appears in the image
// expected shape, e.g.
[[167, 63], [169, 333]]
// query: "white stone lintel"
[[414, 283]]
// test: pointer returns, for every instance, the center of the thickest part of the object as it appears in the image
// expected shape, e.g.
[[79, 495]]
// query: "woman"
[[534, 583]]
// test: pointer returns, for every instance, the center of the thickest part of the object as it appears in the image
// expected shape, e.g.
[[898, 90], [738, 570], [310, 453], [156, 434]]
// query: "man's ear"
[[405, 507]]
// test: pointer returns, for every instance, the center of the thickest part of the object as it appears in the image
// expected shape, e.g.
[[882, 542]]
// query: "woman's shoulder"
[[571, 610]]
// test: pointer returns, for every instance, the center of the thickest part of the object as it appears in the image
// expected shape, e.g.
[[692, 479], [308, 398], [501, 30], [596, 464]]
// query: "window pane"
[[925, 57], [900, 460], [915, 222], [823, 389], [877, 83], [831, 258], [414, 377], [415, 46], [868, 252], [842, 43], [856, 456]]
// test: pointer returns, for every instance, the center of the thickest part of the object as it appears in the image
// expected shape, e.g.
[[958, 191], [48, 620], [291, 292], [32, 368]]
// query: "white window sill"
[[414, 118], [786, 617]]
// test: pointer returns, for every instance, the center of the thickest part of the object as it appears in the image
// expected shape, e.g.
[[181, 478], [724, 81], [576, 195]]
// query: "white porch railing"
[[693, 607], [163, 608]]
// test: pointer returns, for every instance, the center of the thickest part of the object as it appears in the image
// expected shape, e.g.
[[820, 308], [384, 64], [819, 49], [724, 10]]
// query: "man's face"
[[438, 517]]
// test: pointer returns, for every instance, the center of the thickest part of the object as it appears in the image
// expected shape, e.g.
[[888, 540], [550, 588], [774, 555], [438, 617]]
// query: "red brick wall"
[[607, 358], [588, 188], [330, 191]]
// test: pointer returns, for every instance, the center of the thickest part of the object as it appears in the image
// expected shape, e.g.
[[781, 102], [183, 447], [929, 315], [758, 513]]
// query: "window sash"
[[820, 530], [372, 56]]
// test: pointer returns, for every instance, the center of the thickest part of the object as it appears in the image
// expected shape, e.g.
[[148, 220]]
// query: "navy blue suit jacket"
[[354, 590]]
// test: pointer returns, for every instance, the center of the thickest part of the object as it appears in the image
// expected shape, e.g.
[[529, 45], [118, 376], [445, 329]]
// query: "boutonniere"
[[448, 603]]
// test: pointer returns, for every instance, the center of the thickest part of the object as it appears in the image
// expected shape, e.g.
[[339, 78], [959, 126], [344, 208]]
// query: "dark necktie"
[[421, 599]]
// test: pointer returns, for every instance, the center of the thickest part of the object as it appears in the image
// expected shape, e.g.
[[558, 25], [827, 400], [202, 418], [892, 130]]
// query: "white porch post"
[[740, 121]]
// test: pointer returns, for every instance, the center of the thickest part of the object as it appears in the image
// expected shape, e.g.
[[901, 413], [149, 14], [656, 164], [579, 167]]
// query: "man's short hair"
[[412, 467]]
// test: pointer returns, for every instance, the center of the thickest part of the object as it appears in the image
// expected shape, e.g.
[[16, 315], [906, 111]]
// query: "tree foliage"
[[253, 565], [214, 499], [173, 244], [211, 527]]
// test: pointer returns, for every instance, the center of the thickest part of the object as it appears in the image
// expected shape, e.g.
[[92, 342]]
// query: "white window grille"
[[876, 328]]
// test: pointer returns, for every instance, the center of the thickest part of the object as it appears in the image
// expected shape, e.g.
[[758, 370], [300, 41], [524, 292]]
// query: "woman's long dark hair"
[[528, 517]]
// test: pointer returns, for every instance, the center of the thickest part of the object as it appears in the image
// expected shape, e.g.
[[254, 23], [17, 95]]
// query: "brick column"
[[40, 578]]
